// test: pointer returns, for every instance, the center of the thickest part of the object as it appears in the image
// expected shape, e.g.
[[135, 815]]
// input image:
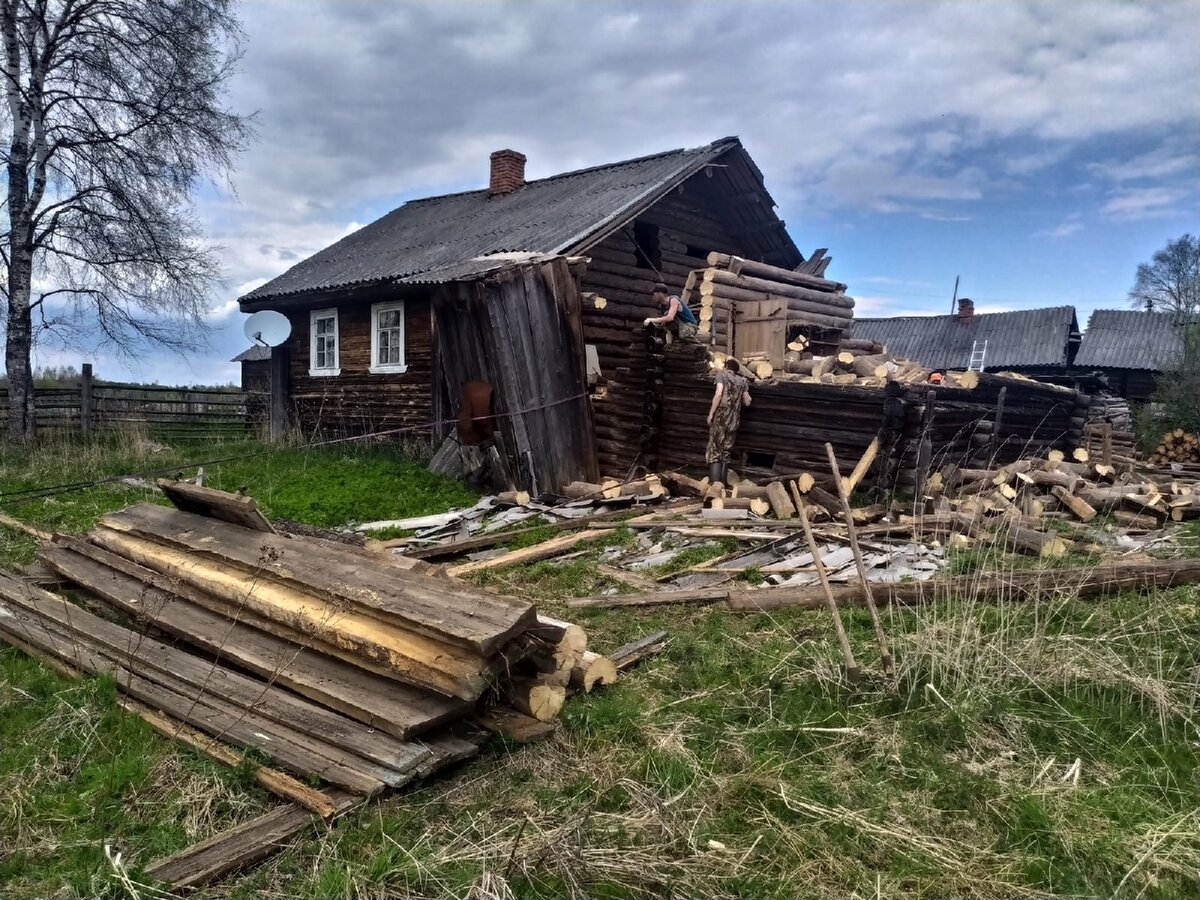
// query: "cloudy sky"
[[1039, 150]]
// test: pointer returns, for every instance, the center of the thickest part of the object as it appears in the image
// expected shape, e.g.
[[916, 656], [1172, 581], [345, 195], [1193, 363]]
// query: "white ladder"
[[977, 355]]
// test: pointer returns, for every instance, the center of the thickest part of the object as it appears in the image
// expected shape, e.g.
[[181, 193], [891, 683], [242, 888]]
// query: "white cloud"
[[1067, 227], [1142, 203]]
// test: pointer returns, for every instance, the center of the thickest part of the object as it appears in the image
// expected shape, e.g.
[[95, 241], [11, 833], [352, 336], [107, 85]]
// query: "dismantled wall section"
[[920, 428], [520, 330]]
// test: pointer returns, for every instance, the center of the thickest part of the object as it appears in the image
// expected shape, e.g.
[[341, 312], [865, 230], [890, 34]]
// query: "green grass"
[[76, 770], [953, 780], [330, 486]]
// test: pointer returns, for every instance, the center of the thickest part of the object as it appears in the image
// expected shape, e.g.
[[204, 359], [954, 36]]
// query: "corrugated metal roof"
[[550, 215], [253, 354], [1129, 339], [1025, 337]]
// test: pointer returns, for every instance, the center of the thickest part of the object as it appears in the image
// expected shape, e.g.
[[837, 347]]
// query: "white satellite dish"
[[268, 328]]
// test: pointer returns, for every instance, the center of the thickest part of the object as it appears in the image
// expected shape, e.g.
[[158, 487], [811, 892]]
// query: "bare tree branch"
[[113, 114]]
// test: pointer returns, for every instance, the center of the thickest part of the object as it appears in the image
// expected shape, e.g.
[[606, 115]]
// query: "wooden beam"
[[544, 550]]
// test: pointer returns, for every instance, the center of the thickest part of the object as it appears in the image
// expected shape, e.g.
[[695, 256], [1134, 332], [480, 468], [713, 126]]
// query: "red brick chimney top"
[[508, 172], [966, 308]]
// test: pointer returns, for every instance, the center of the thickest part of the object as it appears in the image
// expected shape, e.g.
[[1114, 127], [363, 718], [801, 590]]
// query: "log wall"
[[625, 414], [920, 429]]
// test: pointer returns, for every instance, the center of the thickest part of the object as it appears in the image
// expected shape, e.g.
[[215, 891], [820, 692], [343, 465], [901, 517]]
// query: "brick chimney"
[[508, 172], [966, 308]]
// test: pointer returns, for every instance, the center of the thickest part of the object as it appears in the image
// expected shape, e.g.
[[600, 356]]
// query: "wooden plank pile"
[[334, 661]]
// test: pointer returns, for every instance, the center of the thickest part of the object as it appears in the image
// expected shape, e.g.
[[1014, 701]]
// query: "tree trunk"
[[19, 343]]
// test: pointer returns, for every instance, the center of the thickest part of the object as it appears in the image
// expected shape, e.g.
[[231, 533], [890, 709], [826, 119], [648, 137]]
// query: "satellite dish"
[[268, 328]]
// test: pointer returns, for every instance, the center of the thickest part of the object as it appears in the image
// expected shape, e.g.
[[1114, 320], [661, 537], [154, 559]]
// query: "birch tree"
[[1170, 282], [114, 114]]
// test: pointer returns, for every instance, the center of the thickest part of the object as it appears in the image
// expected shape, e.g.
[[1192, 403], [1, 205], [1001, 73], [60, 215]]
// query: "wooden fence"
[[168, 412]]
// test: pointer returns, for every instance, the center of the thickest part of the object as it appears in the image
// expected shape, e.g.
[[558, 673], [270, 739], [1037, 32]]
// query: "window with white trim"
[[323, 342], [387, 338]]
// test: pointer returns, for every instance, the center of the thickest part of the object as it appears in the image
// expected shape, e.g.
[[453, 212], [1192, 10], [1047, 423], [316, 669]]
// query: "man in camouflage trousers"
[[724, 416]]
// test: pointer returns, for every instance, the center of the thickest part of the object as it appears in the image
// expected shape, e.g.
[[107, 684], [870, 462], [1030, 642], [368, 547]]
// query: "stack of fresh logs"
[[730, 281], [843, 367], [1176, 445]]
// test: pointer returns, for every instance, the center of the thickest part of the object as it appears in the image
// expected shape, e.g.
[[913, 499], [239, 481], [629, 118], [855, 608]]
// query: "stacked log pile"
[[1102, 439], [817, 307], [331, 659], [921, 426], [1176, 446]]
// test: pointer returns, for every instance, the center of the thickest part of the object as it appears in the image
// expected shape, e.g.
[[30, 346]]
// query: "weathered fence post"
[[85, 401], [278, 413], [994, 448]]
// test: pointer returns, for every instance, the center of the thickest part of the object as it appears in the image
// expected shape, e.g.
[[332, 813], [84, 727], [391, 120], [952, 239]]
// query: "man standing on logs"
[[724, 417], [676, 317]]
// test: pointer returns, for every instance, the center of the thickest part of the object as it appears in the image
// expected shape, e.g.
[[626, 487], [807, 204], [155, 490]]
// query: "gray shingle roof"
[[253, 354], [549, 215], [1025, 337], [1129, 339]]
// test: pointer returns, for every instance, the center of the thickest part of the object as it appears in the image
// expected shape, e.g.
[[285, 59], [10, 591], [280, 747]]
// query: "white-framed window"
[[387, 338], [323, 342]]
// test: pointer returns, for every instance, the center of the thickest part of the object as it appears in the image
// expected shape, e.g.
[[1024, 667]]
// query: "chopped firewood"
[[538, 699], [514, 725], [1079, 454], [780, 502], [582, 490], [753, 504], [681, 484], [1077, 505], [513, 498], [805, 482]]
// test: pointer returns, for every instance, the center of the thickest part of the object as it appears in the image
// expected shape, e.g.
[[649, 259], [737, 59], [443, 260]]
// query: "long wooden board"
[[206, 713], [472, 618], [245, 844], [395, 708], [277, 782], [234, 849], [186, 673], [415, 658], [232, 508]]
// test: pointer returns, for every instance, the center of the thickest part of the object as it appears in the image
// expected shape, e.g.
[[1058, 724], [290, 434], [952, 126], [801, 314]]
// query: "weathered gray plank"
[[205, 713], [227, 507], [395, 708], [242, 845], [465, 616]]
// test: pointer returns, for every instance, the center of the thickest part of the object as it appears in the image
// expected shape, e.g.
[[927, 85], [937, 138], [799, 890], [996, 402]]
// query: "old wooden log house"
[[527, 286]]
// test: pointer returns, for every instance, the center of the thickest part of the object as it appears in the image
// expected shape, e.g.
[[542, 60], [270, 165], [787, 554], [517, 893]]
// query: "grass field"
[[1024, 750]]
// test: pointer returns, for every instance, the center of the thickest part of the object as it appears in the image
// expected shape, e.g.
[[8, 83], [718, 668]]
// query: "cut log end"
[[537, 699], [593, 671]]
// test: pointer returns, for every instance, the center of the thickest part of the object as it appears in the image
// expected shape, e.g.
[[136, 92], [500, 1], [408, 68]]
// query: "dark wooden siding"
[[520, 331], [358, 402]]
